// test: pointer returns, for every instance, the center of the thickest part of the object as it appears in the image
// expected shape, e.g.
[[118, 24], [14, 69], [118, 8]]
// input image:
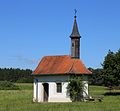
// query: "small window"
[[59, 87], [72, 44]]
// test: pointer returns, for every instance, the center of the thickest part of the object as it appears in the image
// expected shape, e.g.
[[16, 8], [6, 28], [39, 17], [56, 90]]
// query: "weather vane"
[[75, 12]]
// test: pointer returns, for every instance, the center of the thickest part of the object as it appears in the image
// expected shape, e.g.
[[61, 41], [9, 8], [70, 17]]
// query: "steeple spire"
[[75, 32], [75, 40]]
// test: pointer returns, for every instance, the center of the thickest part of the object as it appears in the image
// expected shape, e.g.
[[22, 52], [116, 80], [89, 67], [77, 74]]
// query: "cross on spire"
[[75, 12]]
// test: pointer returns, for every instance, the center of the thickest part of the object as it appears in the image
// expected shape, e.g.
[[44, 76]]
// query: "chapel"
[[53, 72]]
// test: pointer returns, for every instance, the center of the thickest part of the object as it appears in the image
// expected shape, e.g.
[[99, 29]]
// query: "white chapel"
[[53, 72]]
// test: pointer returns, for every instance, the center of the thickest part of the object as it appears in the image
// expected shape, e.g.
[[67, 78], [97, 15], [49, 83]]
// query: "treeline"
[[97, 77], [16, 75]]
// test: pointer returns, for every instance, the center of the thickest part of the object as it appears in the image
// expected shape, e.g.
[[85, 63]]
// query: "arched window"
[[59, 87]]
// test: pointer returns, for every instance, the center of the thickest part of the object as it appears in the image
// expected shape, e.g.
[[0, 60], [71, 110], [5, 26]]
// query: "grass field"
[[21, 100]]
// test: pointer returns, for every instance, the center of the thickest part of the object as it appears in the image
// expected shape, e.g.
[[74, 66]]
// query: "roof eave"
[[62, 74]]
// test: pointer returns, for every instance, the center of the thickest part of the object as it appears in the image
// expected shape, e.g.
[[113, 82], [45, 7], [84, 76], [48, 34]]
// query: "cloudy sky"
[[31, 29]]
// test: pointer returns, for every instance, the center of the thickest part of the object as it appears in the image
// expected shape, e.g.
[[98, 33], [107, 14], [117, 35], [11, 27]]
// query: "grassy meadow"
[[21, 100]]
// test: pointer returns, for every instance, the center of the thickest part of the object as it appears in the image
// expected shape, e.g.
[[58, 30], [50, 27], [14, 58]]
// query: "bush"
[[6, 85], [75, 88]]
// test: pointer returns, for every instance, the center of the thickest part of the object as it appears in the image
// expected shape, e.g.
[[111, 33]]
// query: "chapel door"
[[46, 91]]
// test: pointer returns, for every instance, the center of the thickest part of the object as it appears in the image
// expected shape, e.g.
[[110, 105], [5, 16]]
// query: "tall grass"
[[21, 100], [25, 86]]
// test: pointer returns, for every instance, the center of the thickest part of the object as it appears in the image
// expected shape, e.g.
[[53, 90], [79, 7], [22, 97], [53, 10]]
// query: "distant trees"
[[15, 75], [97, 76]]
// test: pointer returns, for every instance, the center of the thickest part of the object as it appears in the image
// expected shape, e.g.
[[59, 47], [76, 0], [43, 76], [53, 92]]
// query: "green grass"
[[25, 86], [21, 100], [97, 90]]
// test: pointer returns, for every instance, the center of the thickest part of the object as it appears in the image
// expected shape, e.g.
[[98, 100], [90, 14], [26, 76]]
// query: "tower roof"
[[75, 32]]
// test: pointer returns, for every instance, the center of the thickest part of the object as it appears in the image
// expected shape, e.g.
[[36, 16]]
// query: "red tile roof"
[[61, 65]]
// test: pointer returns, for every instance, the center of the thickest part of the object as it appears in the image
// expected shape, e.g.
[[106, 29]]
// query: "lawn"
[[21, 100]]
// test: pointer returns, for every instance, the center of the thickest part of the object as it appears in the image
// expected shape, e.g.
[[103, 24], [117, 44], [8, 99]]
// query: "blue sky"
[[31, 29]]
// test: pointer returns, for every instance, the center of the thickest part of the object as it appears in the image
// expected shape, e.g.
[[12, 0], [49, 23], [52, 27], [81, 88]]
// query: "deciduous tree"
[[111, 69]]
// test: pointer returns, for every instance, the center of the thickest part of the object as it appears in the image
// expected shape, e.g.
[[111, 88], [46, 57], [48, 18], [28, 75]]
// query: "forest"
[[16, 75]]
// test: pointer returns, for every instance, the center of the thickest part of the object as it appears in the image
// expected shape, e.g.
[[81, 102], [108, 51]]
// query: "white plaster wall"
[[85, 89], [53, 95], [37, 91], [52, 86], [40, 92], [58, 97], [34, 91]]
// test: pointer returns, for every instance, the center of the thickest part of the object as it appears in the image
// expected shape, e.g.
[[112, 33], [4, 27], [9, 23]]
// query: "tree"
[[111, 69], [75, 88]]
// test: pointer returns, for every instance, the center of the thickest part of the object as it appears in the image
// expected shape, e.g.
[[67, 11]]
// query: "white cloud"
[[26, 60]]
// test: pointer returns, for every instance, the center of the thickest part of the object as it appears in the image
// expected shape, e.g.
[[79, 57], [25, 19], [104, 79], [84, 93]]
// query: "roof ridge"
[[56, 55]]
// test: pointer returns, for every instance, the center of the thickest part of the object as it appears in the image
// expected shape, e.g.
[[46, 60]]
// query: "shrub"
[[75, 88], [6, 85]]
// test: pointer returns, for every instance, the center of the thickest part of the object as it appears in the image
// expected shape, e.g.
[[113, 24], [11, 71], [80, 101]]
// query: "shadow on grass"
[[112, 94]]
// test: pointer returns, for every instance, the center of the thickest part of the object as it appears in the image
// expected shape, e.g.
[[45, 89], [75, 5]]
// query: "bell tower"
[[75, 40]]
